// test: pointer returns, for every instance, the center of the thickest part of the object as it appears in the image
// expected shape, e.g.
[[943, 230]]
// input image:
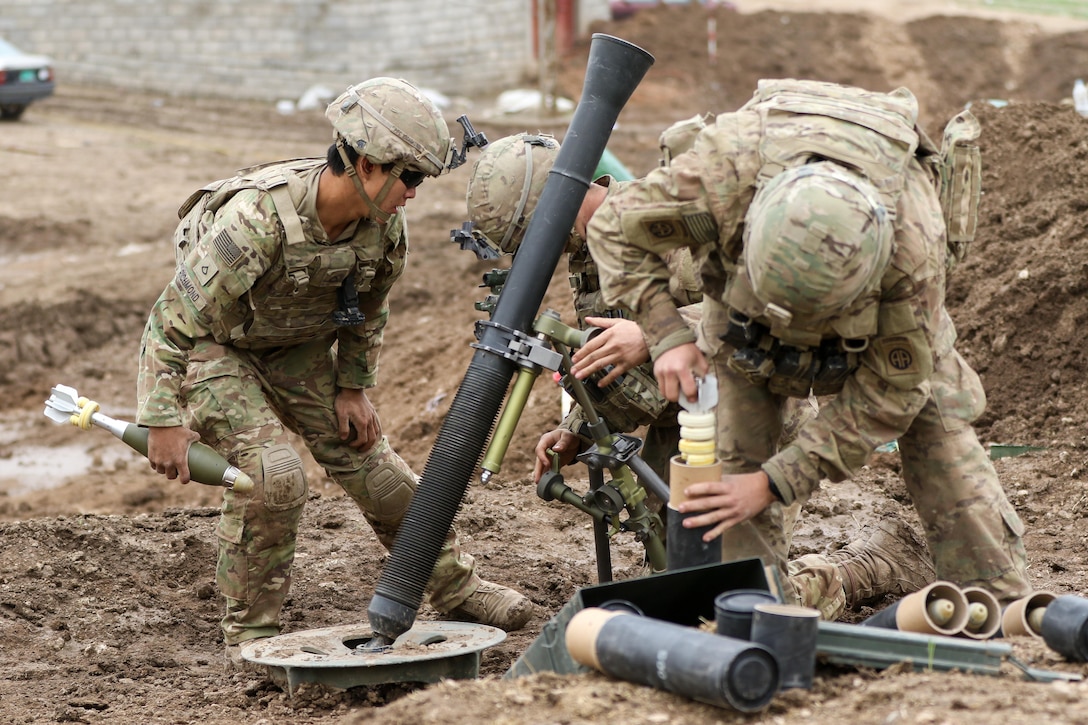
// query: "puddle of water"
[[25, 468]]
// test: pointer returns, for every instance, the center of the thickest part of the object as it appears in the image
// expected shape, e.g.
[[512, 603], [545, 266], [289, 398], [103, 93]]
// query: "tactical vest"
[[874, 135], [294, 300]]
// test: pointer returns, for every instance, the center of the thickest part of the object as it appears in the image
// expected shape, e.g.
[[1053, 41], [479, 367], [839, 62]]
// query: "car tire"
[[11, 112]]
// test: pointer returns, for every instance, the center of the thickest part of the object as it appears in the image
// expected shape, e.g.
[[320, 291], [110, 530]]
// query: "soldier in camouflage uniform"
[[816, 220], [273, 324], [507, 180], [506, 184]]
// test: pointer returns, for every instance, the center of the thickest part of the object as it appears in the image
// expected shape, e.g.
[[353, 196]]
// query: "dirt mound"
[[1019, 300]]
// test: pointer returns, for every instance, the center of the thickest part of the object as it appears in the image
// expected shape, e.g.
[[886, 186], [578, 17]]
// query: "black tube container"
[[686, 547], [717, 670], [1065, 627], [885, 618], [733, 611], [614, 70]]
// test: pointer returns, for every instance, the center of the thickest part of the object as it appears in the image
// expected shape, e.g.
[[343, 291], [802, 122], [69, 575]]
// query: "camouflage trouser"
[[243, 405], [972, 530], [816, 582]]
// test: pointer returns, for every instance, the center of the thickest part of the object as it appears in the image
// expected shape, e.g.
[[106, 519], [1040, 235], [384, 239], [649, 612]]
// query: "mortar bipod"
[[606, 500]]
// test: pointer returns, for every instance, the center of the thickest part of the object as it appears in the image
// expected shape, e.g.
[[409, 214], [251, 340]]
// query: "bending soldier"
[[814, 214], [506, 184]]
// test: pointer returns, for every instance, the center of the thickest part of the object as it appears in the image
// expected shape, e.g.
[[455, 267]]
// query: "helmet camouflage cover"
[[388, 120], [507, 181], [817, 237]]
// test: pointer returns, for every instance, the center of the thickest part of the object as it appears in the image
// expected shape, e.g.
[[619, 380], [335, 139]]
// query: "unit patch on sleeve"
[[672, 225], [665, 228], [898, 356]]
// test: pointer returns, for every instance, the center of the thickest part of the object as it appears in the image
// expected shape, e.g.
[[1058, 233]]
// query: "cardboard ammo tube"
[[1022, 617], [988, 625], [918, 612], [685, 547]]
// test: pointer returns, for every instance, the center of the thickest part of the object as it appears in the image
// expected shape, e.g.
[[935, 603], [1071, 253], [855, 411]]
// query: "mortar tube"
[[614, 69], [717, 670], [685, 546]]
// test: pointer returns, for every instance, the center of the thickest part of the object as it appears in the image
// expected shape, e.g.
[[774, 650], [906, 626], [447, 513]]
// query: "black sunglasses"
[[412, 178]]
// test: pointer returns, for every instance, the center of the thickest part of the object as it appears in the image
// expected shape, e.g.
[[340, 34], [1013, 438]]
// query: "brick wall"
[[273, 49]]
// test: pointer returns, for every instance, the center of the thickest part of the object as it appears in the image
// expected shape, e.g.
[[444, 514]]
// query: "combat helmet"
[[507, 181], [816, 239], [388, 120]]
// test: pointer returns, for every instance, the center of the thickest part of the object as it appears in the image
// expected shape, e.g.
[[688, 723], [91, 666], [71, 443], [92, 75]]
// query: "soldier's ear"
[[364, 166]]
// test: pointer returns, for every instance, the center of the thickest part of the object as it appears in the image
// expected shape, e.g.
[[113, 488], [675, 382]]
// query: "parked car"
[[24, 78]]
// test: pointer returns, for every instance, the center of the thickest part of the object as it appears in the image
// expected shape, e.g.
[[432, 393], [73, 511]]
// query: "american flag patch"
[[226, 249]]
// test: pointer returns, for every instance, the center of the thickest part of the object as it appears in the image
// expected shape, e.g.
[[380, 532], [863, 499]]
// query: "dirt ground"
[[108, 607]]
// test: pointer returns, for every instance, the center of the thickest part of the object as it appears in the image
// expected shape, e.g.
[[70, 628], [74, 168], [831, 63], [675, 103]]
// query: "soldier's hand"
[[563, 442], [355, 411], [676, 370], [620, 344], [168, 450], [728, 502]]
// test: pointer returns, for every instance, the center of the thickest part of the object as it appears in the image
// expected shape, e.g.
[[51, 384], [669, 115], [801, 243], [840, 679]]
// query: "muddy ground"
[[108, 609]]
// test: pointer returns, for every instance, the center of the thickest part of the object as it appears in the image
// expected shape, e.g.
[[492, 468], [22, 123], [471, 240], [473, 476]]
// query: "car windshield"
[[7, 48]]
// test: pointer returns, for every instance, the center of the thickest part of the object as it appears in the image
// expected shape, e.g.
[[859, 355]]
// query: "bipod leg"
[[600, 532], [648, 477]]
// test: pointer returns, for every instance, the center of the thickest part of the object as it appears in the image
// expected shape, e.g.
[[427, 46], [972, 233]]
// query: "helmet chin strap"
[[376, 212]]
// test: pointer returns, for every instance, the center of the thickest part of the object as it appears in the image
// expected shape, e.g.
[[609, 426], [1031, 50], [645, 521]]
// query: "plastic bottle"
[[1080, 97]]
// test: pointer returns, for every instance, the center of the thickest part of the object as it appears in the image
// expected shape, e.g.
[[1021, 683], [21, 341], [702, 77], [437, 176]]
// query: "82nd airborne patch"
[[665, 229], [672, 225], [898, 356]]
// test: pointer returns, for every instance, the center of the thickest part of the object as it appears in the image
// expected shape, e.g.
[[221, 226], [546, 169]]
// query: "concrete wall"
[[273, 49]]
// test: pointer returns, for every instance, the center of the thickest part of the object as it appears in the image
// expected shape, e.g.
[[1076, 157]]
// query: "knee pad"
[[284, 478], [390, 490]]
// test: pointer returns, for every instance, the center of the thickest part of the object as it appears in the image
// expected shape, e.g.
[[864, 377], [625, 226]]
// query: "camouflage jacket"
[[700, 202], [244, 283]]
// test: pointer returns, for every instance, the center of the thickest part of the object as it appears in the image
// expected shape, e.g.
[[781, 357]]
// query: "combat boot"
[[892, 560], [236, 663], [494, 605]]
